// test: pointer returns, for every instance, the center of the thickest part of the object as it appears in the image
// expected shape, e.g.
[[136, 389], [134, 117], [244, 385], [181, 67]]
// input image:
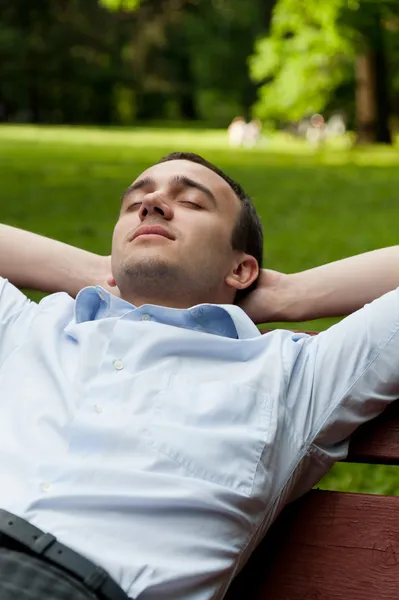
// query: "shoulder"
[[16, 306]]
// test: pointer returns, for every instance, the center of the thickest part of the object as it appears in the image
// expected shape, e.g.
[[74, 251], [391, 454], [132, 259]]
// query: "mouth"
[[152, 230]]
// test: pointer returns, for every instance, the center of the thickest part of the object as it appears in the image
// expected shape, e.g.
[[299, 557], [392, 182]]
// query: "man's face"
[[174, 232]]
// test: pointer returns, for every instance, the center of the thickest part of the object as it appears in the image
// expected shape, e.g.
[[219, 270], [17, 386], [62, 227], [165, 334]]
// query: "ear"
[[244, 272]]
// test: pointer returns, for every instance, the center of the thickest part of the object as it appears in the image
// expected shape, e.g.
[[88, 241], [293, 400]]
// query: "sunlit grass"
[[336, 151], [316, 206]]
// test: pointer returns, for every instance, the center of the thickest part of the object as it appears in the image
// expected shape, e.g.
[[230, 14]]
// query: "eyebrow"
[[177, 180], [137, 185]]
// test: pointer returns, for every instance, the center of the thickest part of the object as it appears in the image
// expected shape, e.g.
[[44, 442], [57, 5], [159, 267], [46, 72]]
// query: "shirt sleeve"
[[345, 376], [16, 312]]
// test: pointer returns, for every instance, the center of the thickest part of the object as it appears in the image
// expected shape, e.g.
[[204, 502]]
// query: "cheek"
[[217, 235], [125, 224], [118, 236], [115, 237], [212, 242]]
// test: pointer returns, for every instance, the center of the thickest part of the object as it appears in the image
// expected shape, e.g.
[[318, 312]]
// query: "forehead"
[[164, 172]]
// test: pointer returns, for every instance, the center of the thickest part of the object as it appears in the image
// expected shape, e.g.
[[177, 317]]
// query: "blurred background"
[[123, 62], [298, 101]]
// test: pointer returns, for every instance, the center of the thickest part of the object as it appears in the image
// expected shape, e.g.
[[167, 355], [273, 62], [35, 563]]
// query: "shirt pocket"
[[214, 431]]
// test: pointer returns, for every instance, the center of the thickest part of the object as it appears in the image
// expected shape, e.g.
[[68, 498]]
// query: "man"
[[236, 132], [158, 434]]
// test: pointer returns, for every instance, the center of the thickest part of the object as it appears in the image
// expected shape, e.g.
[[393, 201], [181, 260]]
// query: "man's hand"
[[267, 301], [332, 290]]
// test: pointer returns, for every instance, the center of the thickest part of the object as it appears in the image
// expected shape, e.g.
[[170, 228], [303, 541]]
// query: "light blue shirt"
[[161, 443]]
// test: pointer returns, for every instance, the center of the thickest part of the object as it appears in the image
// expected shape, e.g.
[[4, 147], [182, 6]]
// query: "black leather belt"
[[44, 545]]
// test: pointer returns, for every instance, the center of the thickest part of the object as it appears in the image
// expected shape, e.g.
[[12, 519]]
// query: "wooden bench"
[[333, 545]]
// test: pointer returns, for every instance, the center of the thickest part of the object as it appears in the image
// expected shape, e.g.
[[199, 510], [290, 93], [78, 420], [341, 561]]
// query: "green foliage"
[[59, 62], [307, 62], [185, 59], [85, 61], [306, 57], [315, 207], [119, 61], [121, 4], [219, 37]]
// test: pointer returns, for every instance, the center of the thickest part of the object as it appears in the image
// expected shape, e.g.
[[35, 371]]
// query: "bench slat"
[[327, 546], [378, 440]]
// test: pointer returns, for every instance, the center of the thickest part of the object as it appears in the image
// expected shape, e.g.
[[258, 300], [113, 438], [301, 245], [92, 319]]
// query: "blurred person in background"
[[236, 132], [252, 133], [316, 131]]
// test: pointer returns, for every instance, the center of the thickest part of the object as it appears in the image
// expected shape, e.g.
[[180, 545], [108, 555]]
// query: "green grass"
[[316, 207]]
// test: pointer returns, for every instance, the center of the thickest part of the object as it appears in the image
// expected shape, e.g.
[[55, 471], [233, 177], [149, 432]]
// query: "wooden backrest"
[[333, 545]]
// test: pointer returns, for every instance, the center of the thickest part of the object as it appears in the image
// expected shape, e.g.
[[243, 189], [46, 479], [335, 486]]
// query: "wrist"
[[274, 298], [291, 298], [82, 269], [97, 271]]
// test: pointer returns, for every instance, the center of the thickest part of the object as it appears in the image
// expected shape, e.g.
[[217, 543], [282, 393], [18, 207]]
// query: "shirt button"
[[145, 317], [118, 364], [45, 486], [99, 409]]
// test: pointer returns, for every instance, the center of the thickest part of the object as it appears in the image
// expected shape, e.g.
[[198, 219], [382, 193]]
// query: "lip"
[[152, 230]]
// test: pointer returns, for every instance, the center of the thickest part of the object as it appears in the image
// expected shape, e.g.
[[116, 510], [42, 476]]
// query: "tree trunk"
[[186, 97], [383, 134], [366, 106], [372, 97], [188, 108]]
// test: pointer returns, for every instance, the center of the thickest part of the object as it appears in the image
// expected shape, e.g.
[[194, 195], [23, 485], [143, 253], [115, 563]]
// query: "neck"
[[182, 300], [172, 288]]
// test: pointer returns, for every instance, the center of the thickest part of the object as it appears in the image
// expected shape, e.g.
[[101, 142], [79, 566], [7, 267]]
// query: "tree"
[[316, 48], [220, 37], [368, 20], [114, 61], [61, 62], [302, 61], [190, 57]]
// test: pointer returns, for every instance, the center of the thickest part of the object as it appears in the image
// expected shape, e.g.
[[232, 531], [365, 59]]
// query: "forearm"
[[32, 261], [341, 287]]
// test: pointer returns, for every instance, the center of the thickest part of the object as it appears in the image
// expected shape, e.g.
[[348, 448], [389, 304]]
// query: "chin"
[[152, 266]]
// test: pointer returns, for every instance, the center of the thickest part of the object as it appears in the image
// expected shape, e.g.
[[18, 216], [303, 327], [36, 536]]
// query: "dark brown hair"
[[247, 234]]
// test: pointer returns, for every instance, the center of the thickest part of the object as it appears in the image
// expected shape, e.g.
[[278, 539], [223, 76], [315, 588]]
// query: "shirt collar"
[[94, 303], [228, 320]]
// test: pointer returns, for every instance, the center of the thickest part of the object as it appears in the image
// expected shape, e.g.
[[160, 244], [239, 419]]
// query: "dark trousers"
[[25, 577]]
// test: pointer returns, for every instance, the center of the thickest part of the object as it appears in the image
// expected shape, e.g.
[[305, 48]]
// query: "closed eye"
[[191, 204], [133, 206]]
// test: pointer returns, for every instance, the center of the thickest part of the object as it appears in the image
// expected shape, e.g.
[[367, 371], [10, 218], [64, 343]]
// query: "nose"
[[155, 204]]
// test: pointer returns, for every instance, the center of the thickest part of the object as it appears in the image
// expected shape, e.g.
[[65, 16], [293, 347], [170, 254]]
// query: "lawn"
[[316, 207]]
